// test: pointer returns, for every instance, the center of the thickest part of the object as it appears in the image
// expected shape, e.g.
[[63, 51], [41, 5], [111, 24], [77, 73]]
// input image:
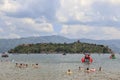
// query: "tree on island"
[[76, 47]]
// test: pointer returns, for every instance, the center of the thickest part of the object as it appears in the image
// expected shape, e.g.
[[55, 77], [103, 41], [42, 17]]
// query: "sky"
[[76, 19]]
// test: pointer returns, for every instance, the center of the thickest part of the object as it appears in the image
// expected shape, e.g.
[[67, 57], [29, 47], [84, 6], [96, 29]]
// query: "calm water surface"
[[54, 65]]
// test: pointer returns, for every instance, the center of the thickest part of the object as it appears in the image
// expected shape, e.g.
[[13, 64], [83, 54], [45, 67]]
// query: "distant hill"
[[7, 44]]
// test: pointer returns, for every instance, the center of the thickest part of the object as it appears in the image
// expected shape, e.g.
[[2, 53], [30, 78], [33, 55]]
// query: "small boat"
[[4, 55]]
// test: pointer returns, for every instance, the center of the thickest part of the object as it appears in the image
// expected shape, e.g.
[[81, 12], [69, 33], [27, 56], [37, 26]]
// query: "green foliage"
[[76, 47]]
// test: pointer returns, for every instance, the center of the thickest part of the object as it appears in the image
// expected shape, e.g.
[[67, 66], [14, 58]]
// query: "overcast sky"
[[92, 19]]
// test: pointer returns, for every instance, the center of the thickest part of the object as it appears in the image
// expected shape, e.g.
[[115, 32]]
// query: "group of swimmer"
[[86, 70], [23, 65], [86, 59]]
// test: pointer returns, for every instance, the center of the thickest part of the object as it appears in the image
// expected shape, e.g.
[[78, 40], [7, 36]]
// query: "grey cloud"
[[94, 23], [1, 2], [106, 9], [35, 9]]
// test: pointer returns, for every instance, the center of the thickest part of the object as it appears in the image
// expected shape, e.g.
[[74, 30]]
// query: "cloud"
[[30, 8], [90, 32], [115, 2], [76, 31], [42, 27], [29, 17], [90, 12], [106, 10], [74, 10], [67, 29], [13, 35], [9, 36], [77, 10], [24, 27], [113, 32], [9, 6], [1, 30], [94, 19]]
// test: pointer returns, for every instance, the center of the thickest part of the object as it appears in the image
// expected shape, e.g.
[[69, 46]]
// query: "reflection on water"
[[54, 66]]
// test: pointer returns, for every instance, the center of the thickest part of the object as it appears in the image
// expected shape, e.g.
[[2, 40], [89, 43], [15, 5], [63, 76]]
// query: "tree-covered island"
[[76, 47]]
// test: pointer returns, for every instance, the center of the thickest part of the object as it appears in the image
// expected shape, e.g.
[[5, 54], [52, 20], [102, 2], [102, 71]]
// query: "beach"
[[49, 70]]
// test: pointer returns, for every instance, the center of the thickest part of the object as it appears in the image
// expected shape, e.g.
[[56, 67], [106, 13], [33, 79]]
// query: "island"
[[49, 48]]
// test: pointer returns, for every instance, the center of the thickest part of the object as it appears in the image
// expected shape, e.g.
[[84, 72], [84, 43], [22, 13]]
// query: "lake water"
[[54, 66]]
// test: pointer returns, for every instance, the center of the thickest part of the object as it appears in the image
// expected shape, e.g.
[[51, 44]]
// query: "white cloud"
[[9, 6], [80, 10], [28, 21], [112, 32], [27, 25], [88, 10], [114, 18], [90, 32], [76, 31], [29, 8], [12, 35], [115, 2], [24, 27], [95, 19], [42, 27], [61, 17]]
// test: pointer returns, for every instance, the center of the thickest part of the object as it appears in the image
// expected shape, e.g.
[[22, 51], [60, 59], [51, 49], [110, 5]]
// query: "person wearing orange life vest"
[[87, 58]]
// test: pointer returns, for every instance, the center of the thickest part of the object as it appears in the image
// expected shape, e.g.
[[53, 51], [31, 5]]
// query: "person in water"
[[80, 68], [69, 72], [87, 58], [88, 70], [112, 56], [35, 65], [100, 68]]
